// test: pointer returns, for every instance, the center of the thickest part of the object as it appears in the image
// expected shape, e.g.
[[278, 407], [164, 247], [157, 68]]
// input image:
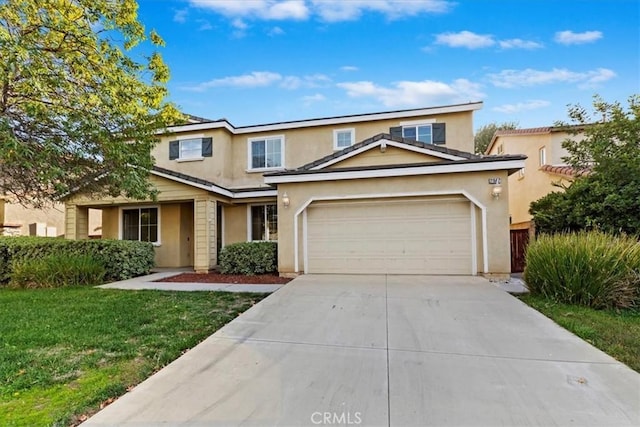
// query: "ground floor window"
[[140, 224], [264, 222]]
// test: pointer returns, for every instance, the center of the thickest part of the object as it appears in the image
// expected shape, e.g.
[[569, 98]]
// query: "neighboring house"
[[544, 167], [394, 192], [18, 220]]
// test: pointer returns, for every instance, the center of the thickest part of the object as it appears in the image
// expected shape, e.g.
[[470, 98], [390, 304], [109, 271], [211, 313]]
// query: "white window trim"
[[126, 208], [249, 224], [190, 159], [264, 138], [521, 173], [335, 138], [416, 126], [542, 156]]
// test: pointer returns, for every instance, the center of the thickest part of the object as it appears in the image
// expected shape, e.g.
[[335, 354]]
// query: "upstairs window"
[[420, 133], [429, 133], [500, 149], [266, 153], [542, 156], [190, 149], [343, 138]]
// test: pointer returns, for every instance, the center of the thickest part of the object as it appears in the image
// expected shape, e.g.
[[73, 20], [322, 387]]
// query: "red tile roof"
[[563, 170]]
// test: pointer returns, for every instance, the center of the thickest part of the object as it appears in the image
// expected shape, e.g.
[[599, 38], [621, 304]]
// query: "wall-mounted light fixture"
[[285, 200], [496, 190]]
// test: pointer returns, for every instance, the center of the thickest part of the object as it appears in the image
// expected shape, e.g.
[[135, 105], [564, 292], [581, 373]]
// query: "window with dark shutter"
[[396, 132], [439, 133], [207, 147], [174, 150]]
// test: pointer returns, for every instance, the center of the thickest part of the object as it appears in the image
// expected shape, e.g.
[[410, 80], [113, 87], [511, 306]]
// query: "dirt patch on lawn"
[[260, 279]]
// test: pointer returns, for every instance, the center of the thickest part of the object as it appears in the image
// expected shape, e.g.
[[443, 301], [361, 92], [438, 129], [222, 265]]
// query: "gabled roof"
[[453, 161], [203, 184], [354, 118], [384, 138], [531, 131]]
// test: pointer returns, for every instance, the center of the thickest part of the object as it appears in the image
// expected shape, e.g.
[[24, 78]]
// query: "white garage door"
[[390, 237]]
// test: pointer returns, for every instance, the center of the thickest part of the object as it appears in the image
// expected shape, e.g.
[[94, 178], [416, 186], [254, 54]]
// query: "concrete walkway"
[[386, 351], [148, 282]]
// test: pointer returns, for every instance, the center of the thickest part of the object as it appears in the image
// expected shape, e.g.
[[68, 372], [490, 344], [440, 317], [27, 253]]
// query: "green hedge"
[[56, 271], [122, 259], [249, 258], [593, 269]]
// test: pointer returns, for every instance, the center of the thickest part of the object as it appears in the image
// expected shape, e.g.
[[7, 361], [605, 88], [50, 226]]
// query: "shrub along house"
[[393, 192]]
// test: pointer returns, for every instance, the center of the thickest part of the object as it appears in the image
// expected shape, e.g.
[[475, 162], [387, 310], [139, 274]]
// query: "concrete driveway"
[[386, 350]]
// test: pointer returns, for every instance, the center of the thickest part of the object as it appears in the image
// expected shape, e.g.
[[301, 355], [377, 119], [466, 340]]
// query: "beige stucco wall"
[[476, 184], [235, 223], [217, 168], [14, 213]]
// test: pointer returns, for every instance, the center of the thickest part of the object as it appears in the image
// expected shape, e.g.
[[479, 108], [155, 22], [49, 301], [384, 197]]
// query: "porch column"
[[204, 211], [76, 220]]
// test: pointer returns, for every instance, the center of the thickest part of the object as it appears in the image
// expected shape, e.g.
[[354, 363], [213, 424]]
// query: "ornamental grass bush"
[[593, 269], [56, 271], [249, 258], [122, 259]]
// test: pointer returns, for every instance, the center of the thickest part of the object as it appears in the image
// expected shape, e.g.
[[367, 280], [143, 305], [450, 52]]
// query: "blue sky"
[[262, 61]]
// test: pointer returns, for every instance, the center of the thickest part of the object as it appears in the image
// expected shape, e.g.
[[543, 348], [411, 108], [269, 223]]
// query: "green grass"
[[64, 351], [616, 332]]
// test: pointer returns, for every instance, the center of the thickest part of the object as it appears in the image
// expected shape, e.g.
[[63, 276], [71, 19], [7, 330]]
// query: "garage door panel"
[[390, 237]]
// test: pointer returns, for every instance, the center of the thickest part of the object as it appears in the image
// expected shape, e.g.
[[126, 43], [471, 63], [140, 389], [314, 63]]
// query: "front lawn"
[[616, 332], [63, 352]]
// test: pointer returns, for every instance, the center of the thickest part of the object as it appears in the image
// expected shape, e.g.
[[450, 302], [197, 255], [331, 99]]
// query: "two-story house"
[[393, 192]]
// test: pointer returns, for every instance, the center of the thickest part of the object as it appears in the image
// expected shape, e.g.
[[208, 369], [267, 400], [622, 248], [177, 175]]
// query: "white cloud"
[[312, 99], [204, 25], [343, 10], [569, 37], [262, 9], [349, 68], [309, 81], [465, 39], [519, 44], [239, 24], [522, 106], [263, 79], [415, 93], [180, 16], [251, 80], [275, 31], [326, 10], [531, 77]]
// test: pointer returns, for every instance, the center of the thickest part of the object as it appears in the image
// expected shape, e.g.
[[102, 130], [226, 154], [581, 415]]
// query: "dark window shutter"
[[439, 133], [174, 150], [396, 132], [207, 147]]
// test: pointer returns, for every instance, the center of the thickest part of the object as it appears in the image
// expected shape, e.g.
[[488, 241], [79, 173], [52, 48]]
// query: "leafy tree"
[[76, 110], [608, 197], [484, 135]]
